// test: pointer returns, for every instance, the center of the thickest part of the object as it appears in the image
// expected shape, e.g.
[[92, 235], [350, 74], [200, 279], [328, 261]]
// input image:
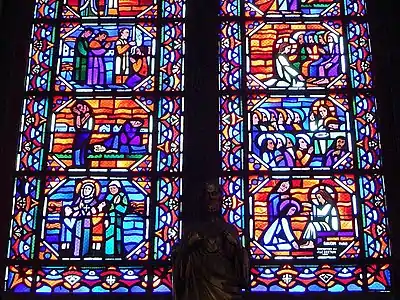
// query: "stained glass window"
[[300, 144], [97, 193]]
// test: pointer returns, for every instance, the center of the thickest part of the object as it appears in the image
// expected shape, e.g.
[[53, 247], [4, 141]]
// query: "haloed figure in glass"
[[324, 218], [117, 203], [210, 263], [82, 227]]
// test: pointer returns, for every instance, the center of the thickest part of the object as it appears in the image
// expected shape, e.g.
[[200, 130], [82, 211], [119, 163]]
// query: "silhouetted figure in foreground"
[[210, 263]]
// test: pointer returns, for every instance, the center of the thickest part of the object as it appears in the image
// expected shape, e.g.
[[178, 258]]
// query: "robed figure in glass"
[[117, 207], [210, 263]]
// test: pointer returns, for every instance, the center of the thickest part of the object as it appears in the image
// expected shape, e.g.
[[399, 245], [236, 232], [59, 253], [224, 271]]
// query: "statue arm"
[[246, 269], [242, 260], [177, 272], [182, 263]]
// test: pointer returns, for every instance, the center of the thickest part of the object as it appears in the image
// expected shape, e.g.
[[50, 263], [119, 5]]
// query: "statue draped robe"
[[210, 263]]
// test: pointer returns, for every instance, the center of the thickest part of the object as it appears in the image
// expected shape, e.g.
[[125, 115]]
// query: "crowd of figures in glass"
[[300, 133], [300, 144], [306, 55]]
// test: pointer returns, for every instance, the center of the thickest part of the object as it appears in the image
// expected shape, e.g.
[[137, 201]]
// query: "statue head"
[[212, 197]]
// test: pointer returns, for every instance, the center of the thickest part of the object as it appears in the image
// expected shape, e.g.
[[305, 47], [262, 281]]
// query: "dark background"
[[201, 160]]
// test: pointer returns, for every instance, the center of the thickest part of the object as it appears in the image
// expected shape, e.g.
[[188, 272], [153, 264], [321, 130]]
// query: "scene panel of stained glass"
[[233, 206], [18, 279], [284, 214], [32, 134], [231, 132], [40, 61], [77, 279], [287, 55], [282, 8], [170, 134], [299, 133], [172, 57], [168, 226], [356, 7], [367, 135], [230, 56], [311, 278], [101, 133], [106, 57], [379, 278], [95, 217], [375, 219], [24, 218], [229, 8], [162, 280], [88, 9], [359, 46]]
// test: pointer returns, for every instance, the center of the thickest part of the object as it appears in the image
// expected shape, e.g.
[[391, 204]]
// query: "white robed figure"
[[123, 49], [324, 217], [88, 8], [267, 144], [289, 76], [111, 8], [279, 235]]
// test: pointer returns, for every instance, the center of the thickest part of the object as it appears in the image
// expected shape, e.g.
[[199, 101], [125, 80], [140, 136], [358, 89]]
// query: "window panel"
[[277, 55], [168, 227], [282, 8], [233, 202], [24, 218], [172, 57], [299, 133], [174, 8], [360, 55], [286, 214], [110, 9], [375, 219], [18, 279], [117, 136], [170, 134], [32, 134], [231, 133], [368, 137], [230, 59], [300, 279], [229, 8], [46, 9], [40, 60], [379, 278], [104, 64], [76, 280], [100, 148], [162, 280], [96, 217], [356, 7]]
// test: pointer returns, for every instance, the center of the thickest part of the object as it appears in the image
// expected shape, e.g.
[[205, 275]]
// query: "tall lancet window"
[[301, 152], [98, 180]]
